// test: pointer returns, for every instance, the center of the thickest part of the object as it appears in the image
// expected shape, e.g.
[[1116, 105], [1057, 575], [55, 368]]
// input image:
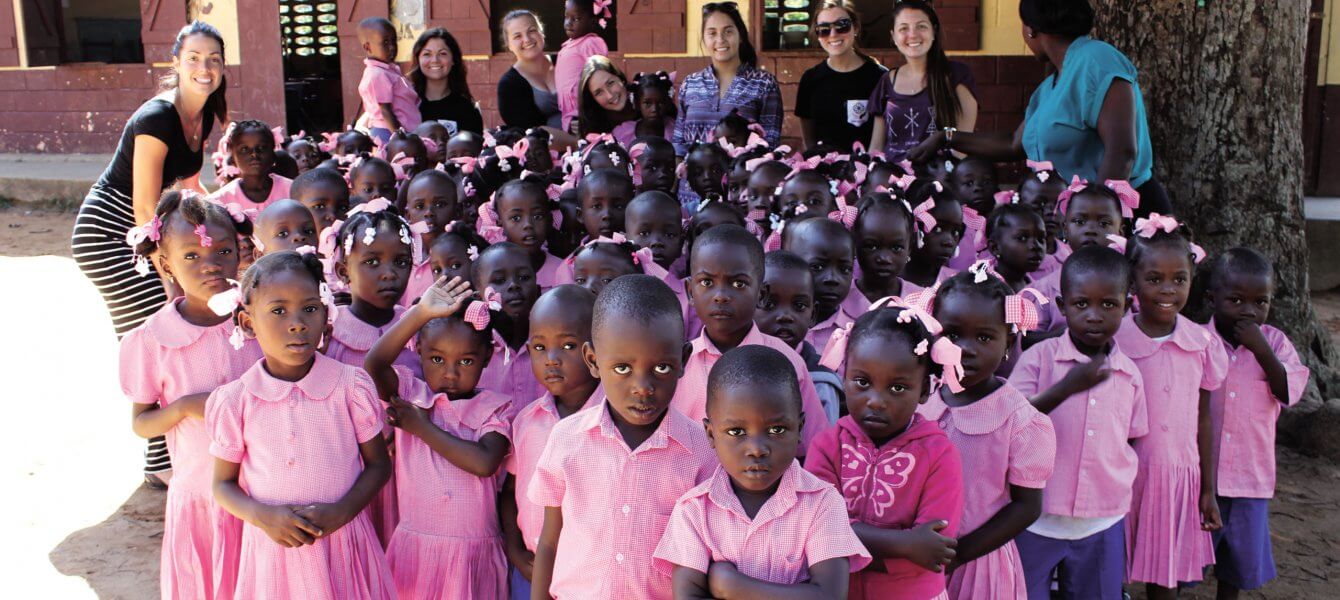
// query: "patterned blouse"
[[753, 92]]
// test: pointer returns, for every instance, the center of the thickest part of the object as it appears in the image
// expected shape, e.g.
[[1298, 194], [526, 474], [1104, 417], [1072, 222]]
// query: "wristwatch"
[[949, 135]]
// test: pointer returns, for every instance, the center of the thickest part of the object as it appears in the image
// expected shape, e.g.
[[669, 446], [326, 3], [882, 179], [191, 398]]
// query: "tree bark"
[[1223, 88]]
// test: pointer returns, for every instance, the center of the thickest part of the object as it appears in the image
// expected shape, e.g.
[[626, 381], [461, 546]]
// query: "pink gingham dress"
[[1004, 441], [231, 193], [803, 524], [1164, 542], [509, 373], [447, 544], [297, 443], [162, 360], [530, 433], [616, 502]]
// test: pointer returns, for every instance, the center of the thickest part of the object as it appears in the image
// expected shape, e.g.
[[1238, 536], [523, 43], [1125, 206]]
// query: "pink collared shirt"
[[802, 524], [1095, 464], [509, 373], [553, 272], [297, 441], [615, 501], [821, 332], [1243, 414], [1050, 317], [568, 66], [530, 433], [691, 395], [166, 358], [428, 486], [231, 193], [1003, 440], [352, 338], [383, 83], [916, 477]]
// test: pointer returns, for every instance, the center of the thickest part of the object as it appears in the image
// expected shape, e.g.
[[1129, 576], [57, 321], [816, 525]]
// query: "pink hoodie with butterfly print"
[[916, 477]]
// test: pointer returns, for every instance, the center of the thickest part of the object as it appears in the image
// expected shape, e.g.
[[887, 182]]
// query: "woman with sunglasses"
[[929, 93], [1087, 118], [732, 81], [833, 95]]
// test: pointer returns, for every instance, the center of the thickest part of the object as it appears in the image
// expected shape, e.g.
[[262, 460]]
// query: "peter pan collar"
[[171, 330], [674, 427], [358, 334], [792, 484], [1187, 335], [983, 416], [702, 343], [319, 384]]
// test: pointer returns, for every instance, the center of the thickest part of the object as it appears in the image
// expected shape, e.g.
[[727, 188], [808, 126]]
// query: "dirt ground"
[[80, 525]]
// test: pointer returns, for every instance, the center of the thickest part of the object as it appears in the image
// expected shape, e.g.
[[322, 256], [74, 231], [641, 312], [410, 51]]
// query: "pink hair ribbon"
[[202, 233], [1006, 197], [227, 301], [374, 205], [1130, 199], [329, 142], [1040, 166], [487, 224], [1076, 186], [1021, 309]]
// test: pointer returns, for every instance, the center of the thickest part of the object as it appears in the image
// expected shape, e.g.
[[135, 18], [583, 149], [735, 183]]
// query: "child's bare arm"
[[922, 544], [1209, 505], [151, 420], [545, 552], [514, 545], [388, 114], [281, 523], [828, 581], [1277, 377], [329, 517], [1025, 507], [481, 458]]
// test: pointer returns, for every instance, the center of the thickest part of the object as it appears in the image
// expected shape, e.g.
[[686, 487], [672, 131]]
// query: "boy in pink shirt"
[[725, 282], [560, 324], [580, 19], [828, 249], [388, 100], [611, 473], [760, 524], [899, 473], [1095, 397], [1265, 375]]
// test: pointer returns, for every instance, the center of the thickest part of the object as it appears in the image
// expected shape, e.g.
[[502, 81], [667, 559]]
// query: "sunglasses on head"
[[838, 27], [726, 7]]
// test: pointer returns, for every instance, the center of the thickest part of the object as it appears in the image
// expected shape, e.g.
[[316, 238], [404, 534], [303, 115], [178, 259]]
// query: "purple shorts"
[[1242, 553], [1089, 568], [520, 587]]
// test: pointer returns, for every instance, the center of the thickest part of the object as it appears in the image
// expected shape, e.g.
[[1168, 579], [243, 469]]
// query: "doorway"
[[309, 39]]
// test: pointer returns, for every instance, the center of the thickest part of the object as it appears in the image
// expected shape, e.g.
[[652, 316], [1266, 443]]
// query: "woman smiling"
[[439, 77], [603, 102], [833, 95]]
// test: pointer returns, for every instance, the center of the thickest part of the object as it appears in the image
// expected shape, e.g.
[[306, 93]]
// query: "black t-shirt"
[[836, 102], [157, 118], [454, 108]]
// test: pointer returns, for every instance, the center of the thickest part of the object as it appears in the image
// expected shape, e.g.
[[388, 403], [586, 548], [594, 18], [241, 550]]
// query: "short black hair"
[[318, 176], [641, 298], [733, 235], [825, 229], [782, 260], [1005, 211], [1095, 259], [1067, 18], [1239, 260], [572, 298], [757, 366], [655, 198], [380, 23]]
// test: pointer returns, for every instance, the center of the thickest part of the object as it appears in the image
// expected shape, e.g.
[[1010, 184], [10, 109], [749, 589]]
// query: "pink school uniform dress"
[[1004, 441], [162, 360], [297, 443], [231, 193], [973, 242], [1165, 544], [820, 333], [916, 477], [530, 433], [553, 272], [691, 394], [616, 502], [803, 524], [509, 374], [856, 304], [420, 279], [382, 83], [568, 66], [447, 544]]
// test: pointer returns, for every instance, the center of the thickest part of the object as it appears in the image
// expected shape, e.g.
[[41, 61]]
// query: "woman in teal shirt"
[[1087, 118]]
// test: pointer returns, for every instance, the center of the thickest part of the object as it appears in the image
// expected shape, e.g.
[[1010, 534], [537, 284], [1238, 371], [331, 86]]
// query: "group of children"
[[464, 366]]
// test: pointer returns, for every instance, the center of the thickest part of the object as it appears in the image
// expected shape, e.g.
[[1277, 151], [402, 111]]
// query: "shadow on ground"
[[118, 557]]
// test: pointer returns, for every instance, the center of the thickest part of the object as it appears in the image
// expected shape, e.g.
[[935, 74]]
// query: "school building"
[[72, 71]]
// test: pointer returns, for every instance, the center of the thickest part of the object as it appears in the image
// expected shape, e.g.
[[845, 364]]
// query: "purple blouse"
[[909, 119], [753, 92]]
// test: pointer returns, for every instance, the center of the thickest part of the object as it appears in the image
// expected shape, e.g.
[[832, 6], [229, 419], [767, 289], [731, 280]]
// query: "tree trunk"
[[1223, 89]]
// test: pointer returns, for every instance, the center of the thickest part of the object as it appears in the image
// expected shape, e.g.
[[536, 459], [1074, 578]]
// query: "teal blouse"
[[1061, 124]]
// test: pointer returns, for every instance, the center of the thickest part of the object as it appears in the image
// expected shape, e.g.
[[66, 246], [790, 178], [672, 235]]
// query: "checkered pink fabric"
[[352, 338], [530, 433], [231, 193]]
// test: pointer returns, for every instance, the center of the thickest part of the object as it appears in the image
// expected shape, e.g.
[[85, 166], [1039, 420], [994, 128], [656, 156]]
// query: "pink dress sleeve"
[[1214, 370], [1296, 373], [1139, 409], [1026, 372], [410, 388], [831, 535], [138, 370], [682, 544], [823, 455], [380, 89], [548, 483], [365, 409], [1032, 453], [223, 420]]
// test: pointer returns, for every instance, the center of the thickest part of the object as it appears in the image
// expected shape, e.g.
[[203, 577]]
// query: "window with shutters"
[[74, 31]]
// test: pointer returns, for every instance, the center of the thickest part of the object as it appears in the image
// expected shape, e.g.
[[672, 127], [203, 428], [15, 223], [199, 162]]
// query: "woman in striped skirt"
[[161, 147]]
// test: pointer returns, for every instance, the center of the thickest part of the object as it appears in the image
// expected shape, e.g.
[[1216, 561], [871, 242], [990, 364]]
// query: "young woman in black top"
[[832, 99], [438, 75]]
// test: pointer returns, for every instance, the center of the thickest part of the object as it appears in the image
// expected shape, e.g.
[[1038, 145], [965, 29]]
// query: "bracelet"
[[949, 135]]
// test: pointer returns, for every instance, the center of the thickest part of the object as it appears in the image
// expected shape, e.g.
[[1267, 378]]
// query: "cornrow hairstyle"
[[757, 367], [620, 250], [355, 227], [994, 289], [462, 231], [886, 201], [611, 150], [196, 210], [276, 262], [1179, 239], [1006, 211], [883, 323], [249, 126], [605, 177], [659, 80], [811, 176], [494, 171], [482, 337]]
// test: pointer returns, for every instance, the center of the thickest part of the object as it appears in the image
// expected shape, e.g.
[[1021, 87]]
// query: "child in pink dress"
[[939, 219], [1173, 507], [253, 183], [502, 273], [827, 247], [304, 432], [761, 524], [451, 254], [169, 365], [725, 283], [580, 20], [1008, 447], [1266, 375], [431, 205], [389, 102], [901, 477], [884, 236], [1092, 217], [284, 225], [453, 438], [523, 213], [609, 475], [560, 325], [1095, 397]]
